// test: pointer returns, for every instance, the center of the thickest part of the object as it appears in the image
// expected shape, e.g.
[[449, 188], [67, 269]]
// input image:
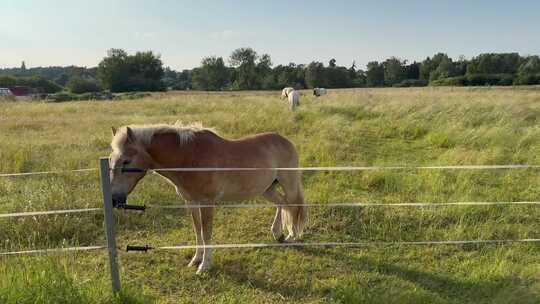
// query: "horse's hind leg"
[[197, 258], [275, 197], [207, 217]]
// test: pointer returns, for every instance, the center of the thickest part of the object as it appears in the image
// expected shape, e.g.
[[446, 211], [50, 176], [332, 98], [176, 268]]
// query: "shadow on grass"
[[441, 285]]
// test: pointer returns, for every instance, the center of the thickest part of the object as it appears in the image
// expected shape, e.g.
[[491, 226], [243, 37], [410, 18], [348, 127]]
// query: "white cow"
[[285, 92], [319, 91], [294, 99]]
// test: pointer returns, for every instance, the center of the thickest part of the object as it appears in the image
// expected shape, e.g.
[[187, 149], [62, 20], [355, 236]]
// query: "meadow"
[[361, 127]]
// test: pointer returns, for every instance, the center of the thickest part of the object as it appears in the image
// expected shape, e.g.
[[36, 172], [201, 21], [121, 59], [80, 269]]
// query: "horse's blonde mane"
[[143, 133]]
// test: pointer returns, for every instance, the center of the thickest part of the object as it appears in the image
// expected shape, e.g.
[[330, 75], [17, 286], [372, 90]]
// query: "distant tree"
[[394, 71], [338, 77], [174, 80], [460, 66], [79, 85], [23, 66], [445, 69], [352, 70], [315, 75], [184, 80], [169, 78], [428, 66], [493, 63], [412, 71], [113, 70], [145, 72], [212, 75], [264, 72], [375, 74], [529, 71], [243, 59], [120, 72], [332, 63], [39, 84], [61, 80], [359, 80]]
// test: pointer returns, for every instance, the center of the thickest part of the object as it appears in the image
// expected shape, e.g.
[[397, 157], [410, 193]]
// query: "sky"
[[70, 32]]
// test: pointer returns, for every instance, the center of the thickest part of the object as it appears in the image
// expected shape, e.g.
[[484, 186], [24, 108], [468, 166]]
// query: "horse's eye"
[[126, 162]]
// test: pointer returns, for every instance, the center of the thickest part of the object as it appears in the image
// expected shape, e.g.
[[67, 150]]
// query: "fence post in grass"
[[109, 222]]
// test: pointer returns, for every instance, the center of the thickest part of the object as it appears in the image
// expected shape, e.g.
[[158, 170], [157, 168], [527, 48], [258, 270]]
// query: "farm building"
[[20, 91], [5, 92]]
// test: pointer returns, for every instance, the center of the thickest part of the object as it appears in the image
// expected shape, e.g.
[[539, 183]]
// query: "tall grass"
[[428, 126]]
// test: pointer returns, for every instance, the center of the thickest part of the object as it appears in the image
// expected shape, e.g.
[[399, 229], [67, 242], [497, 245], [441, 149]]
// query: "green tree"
[[79, 85], [394, 71], [332, 63], [212, 75], [315, 75], [445, 69], [243, 59], [264, 72], [493, 63], [375, 74], [428, 66], [529, 71], [120, 72]]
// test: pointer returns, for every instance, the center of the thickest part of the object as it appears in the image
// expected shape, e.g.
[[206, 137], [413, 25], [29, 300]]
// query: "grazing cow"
[[319, 91], [294, 99], [285, 92]]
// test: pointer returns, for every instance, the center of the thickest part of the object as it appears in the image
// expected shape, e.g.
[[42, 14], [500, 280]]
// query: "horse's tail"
[[294, 217]]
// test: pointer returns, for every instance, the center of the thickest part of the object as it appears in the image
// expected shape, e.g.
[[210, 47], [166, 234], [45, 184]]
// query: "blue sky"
[[65, 32]]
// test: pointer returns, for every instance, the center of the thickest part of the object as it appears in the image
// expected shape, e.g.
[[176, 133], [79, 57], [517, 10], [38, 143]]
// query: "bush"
[[489, 79], [411, 83], [131, 95], [450, 81], [527, 79], [476, 80], [38, 83], [79, 85], [60, 97]]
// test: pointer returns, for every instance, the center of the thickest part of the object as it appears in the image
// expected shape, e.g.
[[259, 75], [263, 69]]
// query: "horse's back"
[[271, 147]]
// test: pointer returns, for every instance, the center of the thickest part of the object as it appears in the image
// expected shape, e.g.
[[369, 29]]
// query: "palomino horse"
[[177, 146]]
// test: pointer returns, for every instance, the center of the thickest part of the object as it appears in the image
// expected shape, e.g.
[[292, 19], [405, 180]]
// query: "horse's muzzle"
[[119, 200]]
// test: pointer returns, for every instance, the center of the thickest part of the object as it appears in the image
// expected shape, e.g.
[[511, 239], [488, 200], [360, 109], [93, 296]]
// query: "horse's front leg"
[[197, 258], [207, 217]]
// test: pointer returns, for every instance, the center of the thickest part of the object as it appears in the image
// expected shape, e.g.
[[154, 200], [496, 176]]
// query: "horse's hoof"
[[202, 269], [194, 263], [280, 238], [292, 239]]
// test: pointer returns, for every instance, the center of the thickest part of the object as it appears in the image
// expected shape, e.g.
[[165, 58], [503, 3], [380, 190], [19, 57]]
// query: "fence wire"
[[345, 244]]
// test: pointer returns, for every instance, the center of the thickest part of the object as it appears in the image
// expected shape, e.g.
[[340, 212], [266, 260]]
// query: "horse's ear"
[[113, 130], [130, 136]]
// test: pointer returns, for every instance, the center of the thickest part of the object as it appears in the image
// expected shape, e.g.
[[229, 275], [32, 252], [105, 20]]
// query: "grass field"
[[429, 126]]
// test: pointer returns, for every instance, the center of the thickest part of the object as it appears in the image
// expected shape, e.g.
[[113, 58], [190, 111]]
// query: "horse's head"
[[127, 153]]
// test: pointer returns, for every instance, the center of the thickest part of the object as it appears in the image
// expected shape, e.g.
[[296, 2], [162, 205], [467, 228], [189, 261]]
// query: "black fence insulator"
[[132, 170], [132, 207], [144, 248]]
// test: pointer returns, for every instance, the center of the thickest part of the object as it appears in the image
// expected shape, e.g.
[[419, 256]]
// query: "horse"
[[294, 99], [163, 146], [319, 91], [286, 91]]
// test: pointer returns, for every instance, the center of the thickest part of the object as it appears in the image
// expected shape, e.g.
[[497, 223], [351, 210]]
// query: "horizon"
[[183, 33]]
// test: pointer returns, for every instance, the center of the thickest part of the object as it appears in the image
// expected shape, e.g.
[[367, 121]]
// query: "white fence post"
[[109, 222]]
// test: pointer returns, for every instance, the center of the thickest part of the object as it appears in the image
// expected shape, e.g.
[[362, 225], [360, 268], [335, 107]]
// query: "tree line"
[[245, 69]]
